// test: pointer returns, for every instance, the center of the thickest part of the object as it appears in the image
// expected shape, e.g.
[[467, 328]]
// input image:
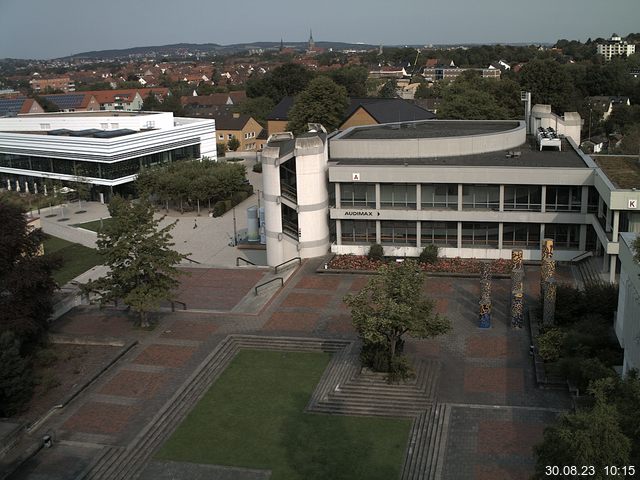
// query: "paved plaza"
[[487, 381]]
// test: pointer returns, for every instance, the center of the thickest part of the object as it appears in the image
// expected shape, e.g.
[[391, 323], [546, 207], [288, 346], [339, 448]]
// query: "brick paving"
[[165, 355], [479, 367]]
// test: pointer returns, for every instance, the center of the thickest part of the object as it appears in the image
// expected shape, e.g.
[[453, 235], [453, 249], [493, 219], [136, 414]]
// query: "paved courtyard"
[[497, 412]]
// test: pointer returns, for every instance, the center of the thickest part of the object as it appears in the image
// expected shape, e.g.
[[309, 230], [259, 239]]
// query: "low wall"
[[71, 234]]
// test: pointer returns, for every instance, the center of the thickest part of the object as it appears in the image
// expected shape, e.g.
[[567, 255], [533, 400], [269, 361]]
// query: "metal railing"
[[582, 256], [288, 261], [268, 282], [173, 305], [248, 262], [192, 261]]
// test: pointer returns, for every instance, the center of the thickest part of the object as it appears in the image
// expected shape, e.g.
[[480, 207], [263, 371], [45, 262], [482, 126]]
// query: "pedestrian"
[[195, 224]]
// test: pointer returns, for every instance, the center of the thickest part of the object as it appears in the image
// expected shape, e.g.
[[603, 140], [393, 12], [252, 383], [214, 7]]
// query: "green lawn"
[[253, 417], [76, 258], [93, 225]]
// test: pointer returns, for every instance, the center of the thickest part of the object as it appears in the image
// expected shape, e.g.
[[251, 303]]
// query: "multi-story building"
[[242, 127], [627, 323], [104, 149], [434, 74], [473, 188], [615, 47], [66, 84]]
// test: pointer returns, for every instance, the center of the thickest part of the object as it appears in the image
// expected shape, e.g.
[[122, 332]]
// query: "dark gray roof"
[[286, 145], [281, 110], [66, 101], [388, 110], [529, 157], [10, 107], [429, 129], [229, 122]]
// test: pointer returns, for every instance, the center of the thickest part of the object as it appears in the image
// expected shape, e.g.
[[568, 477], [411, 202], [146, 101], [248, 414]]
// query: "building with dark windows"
[[473, 188], [106, 149]]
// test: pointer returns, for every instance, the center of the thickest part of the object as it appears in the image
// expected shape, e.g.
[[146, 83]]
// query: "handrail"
[[173, 306], [244, 260], [193, 261], [288, 261], [582, 256], [268, 282]]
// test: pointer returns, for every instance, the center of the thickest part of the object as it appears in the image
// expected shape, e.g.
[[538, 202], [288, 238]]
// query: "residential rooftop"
[[623, 171]]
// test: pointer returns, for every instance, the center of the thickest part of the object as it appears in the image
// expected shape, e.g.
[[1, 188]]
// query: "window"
[[483, 235], [398, 196], [358, 232], [229, 136], [357, 195], [523, 197], [442, 234], [440, 196], [563, 236], [521, 235], [398, 233], [45, 126], [480, 197], [567, 199], [220, 137]]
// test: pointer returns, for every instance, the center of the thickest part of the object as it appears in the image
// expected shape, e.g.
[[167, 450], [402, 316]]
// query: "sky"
[[42, 29]]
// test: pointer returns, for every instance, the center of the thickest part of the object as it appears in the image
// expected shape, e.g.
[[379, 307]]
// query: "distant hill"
[[204, 48]]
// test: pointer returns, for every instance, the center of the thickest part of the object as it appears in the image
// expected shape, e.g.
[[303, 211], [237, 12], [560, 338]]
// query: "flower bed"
[[443, 265]]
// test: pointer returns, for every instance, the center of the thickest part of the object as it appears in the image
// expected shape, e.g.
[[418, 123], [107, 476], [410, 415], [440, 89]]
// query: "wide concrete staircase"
[[589, 271]]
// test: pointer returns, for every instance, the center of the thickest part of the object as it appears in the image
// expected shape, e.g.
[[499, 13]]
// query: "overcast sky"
[[55, 28]]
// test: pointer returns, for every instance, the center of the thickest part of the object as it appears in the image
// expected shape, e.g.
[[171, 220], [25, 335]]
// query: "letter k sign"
[[633, 203]]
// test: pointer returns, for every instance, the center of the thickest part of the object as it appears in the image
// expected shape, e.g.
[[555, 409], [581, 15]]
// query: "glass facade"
[[398, 233], [521, 235], [398, 195], [442, 234], [358, 232], [479, 235], [481, 197], [564, 199], [109, 171], [523, 197], [439, 196], [288, 181], [361, 195], [290, 221], [563, 236]]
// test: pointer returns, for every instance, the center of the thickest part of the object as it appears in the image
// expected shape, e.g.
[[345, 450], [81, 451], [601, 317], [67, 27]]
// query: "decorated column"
[[549, 303], [485, 296], [517, 289], [546, 271]]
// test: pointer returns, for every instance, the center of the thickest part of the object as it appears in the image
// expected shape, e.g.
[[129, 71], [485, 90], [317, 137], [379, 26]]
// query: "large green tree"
[[138, 252], [286, 80], [549, 83], [26, 284], [353, 78], [16, 380], [321, 102], [393, 304], [258, 108], [588, 437]]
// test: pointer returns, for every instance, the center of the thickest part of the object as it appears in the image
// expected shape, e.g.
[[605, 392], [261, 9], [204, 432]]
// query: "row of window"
[[474, 197], [445, 234], [108, 171]]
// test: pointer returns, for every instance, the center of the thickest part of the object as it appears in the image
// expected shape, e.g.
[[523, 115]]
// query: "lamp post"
[[235, 232]]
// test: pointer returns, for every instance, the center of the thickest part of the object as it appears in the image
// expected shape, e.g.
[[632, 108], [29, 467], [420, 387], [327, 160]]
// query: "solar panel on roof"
[[114, 133], [65, 102], [11, 106]]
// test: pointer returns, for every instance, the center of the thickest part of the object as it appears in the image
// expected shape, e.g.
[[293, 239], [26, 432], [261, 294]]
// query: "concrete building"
[[627, 323], [614, 47], [473, 188], [104, 149], [39, 84]]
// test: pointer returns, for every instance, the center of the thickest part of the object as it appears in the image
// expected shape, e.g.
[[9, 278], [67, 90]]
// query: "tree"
[[548, 82], [142, 265], [353, 78], [321, 102], [391, 305], [151, 103], [233, 144], [286, 80], [258, 108], [26, 284], [16, 381], [388, 90], [587, 437], [423, 91]]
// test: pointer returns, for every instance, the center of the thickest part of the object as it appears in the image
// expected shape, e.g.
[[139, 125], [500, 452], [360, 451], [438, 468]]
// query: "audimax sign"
[[361, 213]]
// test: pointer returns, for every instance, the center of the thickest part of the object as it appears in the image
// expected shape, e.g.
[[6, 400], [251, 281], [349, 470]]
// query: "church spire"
[[312, 44]]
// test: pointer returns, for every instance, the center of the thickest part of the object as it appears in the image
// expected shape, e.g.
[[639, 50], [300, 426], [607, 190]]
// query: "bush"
[[429, 254], [582, 371], [221, 149], [550, 344], [239, 197], [257, 167], [219, 208], [376, 252], [46, 357], [400, 370], [228, 205], [16, 378]]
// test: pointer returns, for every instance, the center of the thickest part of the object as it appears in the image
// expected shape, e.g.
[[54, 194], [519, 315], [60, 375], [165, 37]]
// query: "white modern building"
[[106, 149], [614, 47], [473, 188], [627, 324]]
